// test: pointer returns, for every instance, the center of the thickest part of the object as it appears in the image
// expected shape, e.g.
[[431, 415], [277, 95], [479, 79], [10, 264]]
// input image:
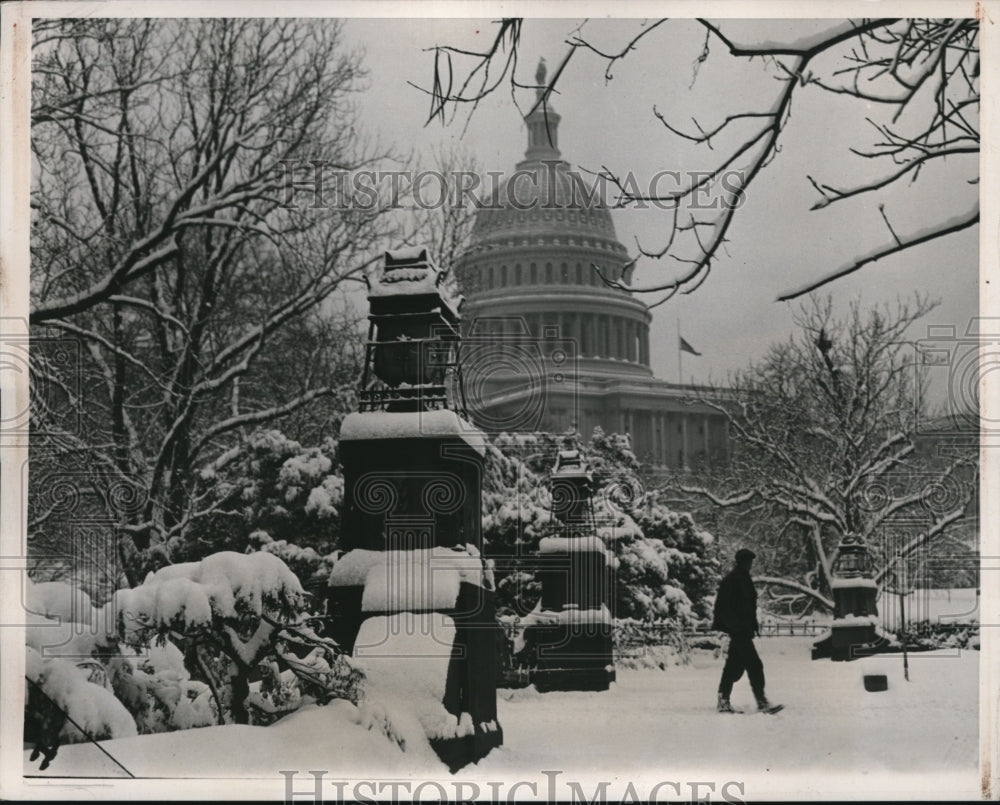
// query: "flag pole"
[[680, 359]]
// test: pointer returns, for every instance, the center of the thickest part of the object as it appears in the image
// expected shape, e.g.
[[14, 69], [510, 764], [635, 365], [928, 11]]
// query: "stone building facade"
[[549, 345]]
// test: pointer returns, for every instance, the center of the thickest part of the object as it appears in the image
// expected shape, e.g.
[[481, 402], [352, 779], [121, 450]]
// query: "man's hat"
[[744, 554]]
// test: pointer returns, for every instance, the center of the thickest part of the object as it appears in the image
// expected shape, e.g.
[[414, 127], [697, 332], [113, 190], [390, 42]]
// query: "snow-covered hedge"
[[219, 591], [274, 494], [176, 652], [88, 706], [934, 635], [68, 695]]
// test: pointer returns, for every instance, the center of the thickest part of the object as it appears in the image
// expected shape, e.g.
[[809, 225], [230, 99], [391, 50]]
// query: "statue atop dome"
[[543, 122], [540, 74]]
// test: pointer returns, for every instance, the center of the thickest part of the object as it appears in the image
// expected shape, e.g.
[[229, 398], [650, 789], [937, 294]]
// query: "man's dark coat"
[[736, 605]]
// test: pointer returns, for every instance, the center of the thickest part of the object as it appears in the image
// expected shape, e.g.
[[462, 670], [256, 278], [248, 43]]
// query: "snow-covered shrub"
[[928, 634], [69, 697], [305, 562], [302, 671], [157, 687], [64, 706], [516, 515], [149, 680], [650, 644], [671, 570], [271, 493], [240, 618], [227, 604], [58, 600]]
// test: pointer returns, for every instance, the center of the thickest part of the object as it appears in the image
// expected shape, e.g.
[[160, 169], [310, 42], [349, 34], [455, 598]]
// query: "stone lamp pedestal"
[[569, 635], [411, 598]]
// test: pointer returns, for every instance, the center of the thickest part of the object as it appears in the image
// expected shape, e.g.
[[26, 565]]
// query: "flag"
[[686, 347]]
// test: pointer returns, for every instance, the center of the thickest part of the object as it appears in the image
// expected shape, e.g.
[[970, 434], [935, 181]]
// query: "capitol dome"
[[548, 346], [529, 267]]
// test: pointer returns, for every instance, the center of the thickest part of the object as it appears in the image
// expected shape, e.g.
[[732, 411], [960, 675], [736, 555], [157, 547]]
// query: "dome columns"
[[601, 336]]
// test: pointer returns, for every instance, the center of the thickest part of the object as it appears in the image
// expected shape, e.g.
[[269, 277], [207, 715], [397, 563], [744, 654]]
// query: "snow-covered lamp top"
[[569, 463], [413, 333], [410, 272], [572, 487], [853, 559]]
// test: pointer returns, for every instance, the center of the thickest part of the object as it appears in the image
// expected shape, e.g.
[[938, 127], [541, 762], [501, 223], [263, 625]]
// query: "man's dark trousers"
[[742, 657]]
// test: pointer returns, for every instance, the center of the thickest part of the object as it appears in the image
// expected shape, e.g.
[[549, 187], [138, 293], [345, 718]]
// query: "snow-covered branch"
[[128, 269], [797, 586], [894, 63], [897, 243]]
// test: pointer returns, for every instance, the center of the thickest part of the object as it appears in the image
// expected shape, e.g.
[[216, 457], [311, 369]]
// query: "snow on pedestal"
[[415, 688], [569, 615], [425, 643], [378, 425]]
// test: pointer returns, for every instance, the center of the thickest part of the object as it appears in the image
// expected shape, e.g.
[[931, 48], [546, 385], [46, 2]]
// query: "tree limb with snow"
[[918, 79], [169, 248], [827, 441]]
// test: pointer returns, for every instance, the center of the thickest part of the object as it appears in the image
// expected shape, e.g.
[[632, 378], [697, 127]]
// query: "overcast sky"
[[775, 243]]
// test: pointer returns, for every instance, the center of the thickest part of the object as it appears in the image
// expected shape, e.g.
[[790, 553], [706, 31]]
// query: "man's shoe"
[[768, 707], [724, 706]]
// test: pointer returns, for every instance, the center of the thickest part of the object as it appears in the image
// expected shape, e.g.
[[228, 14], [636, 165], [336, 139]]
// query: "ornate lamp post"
[[411, 597], [852, 633], [413, 335], [569, 633]]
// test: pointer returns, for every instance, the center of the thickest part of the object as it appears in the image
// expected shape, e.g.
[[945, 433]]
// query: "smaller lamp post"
[[570, 631], [852, 633]]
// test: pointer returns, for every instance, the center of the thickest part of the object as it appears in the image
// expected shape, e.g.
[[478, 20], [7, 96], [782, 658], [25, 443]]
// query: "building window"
[[503, 275], [548, 273], [533, 274]]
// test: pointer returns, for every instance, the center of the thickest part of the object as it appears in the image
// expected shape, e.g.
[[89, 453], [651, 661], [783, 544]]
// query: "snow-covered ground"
[[918, 740], [957, 605]]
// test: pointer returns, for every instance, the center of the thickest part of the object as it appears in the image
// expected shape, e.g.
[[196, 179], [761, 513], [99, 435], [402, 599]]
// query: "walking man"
[[736, 615]]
